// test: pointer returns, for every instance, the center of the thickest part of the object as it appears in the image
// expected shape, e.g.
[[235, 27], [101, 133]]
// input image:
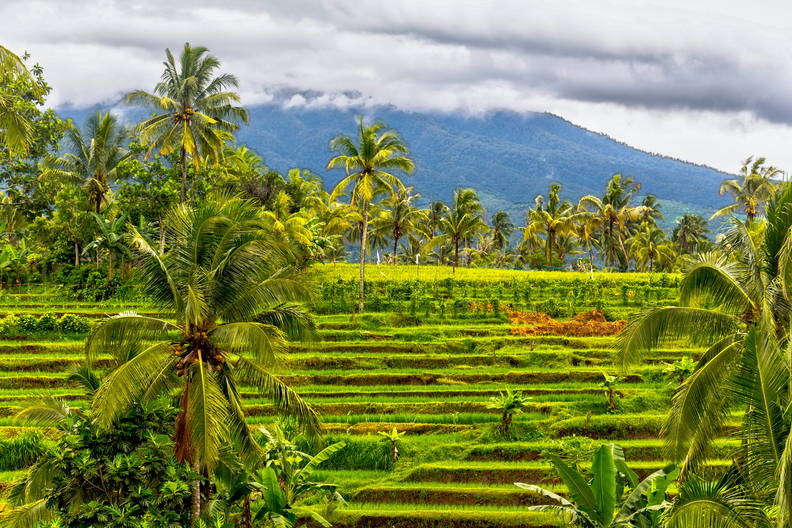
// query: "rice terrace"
[[357, 296]]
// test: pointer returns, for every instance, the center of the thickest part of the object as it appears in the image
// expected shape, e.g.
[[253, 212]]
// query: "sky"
[[706, 81]]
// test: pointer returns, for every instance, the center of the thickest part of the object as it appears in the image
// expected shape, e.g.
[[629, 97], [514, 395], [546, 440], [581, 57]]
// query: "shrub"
[[73, 324], [8, 325], [46, 323], [26, 323]]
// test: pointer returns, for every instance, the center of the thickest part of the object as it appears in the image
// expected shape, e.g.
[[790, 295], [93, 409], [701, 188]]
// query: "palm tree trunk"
[[395, 246], [76, 254], [456, 255], [247, 517], [363, 243], [196, 492], [183, 162]]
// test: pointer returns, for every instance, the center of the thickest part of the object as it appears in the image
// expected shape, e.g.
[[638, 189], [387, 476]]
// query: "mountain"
[[507, 157]]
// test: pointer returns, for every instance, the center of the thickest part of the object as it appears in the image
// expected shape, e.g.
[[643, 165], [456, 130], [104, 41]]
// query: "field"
[[426, 359]]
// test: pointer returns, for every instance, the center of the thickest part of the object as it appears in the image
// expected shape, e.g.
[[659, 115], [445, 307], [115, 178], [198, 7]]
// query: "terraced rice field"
[[430, 374]]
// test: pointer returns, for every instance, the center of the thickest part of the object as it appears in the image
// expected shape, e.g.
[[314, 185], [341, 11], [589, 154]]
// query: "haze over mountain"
[[506, 156]]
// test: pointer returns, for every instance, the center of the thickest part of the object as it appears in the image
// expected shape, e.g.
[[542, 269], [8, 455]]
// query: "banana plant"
[[270, 493], [602, 501], [393, 437]]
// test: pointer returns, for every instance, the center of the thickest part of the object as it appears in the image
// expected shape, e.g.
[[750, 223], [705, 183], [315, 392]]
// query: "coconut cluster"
[[199, 348]]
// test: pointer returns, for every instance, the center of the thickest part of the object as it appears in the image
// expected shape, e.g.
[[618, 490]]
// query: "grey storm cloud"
[[614, 65]]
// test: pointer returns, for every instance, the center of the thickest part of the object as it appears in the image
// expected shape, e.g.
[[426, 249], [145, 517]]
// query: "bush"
[[8, 325], [47, 323], [87, 283], [27, 323], [73, 324]]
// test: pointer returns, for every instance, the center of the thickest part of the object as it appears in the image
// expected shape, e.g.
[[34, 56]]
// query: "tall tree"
[[94, 156], [369, 164], [690, 233], [736, 302], [551, 217], [751, 191], [462, 221], [195, 109], [399, 218], [617, 215], [648, 246], [502, 229], [226, 283]]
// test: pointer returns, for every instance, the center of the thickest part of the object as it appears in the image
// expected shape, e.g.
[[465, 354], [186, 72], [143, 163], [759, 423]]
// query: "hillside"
[[507, 157]]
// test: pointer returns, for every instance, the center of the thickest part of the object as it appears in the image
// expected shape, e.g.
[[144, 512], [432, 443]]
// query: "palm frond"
[[284, 398], [207, 415], [130, 381], [658, 325]]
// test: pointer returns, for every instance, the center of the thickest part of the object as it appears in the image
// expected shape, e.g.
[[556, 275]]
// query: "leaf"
[[579, 490], [603, 485], [319, 458]]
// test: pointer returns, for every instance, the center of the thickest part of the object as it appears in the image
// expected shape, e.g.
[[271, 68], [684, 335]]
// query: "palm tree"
[[502, 229], [690, 232], [648, 245], [651, 210], [551, 217], [93, 158], [736, 302], [587, 229], [226, 281], [751, 191], [462, 222], [616, 215], [399, 217], [195, 109], [368, 165], [437, 210], [16, 130]]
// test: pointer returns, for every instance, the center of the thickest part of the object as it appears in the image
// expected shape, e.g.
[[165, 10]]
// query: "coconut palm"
[[16, 130], [649, 245], [650, 210], [552, 218], [617, 216], [690, 232], [225, 280], [502, 229], [368, 163], [751, 191], [195, 109], [461, 223], [399, 217], [93, 158], [437, 210], [736, 302]]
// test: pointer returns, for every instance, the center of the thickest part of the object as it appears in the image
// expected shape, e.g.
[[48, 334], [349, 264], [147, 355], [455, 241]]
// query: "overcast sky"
[[707, 81]]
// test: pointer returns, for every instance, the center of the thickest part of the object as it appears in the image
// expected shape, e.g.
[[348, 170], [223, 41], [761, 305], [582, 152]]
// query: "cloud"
[[707, 81]]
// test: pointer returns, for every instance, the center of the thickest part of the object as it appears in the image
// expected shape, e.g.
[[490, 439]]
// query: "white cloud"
[[706, 81]]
